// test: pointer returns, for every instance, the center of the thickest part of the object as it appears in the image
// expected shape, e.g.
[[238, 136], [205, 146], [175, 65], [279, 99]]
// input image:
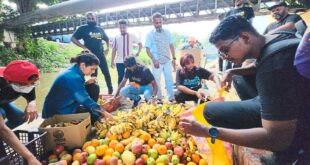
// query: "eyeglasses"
[[224, 51]]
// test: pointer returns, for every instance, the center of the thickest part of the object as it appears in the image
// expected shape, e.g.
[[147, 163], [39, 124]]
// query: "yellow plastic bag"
[[219, 153]]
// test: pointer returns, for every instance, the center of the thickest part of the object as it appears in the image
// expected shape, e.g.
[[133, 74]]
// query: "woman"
[[71, 94], [188, 80]]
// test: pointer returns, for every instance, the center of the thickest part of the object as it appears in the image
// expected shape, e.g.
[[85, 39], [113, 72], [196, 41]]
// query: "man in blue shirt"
[[92, 36], [158, 45]]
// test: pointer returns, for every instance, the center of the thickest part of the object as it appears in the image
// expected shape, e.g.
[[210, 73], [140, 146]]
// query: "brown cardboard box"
[[70, 136]]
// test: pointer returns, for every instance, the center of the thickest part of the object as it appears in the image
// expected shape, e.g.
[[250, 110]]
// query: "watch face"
[[213, 132]]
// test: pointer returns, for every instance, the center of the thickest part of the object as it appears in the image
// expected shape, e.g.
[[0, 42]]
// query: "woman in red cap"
[[18, 78]]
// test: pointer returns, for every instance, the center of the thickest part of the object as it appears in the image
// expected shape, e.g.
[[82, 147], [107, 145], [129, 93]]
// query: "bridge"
[[183, 11]]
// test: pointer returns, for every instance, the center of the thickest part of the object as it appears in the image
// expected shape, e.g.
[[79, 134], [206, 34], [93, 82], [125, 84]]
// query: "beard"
[[90, 23], [159, 29]]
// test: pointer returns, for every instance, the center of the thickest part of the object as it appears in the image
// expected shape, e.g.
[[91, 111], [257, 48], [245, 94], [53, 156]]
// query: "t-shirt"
[[245, 12], [192, 79], [142, 75], [284, 94], [124, 45], [92, 37], [289, 18], [8, 94], [302, 57]]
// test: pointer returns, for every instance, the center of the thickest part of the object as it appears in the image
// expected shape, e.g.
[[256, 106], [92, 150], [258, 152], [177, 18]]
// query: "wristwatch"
[[213, 132]]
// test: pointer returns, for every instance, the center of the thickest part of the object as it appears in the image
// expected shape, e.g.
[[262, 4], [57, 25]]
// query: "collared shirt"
[[151, 44], [124, 46], [67, 93]]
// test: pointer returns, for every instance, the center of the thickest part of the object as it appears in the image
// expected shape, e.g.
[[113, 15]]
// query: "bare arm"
[[154, 85], [140, 48], [172, 51], [113, 57], [186, 90], [155, 62], [121, 85], [287, 26], [78, 43], [10, 138]]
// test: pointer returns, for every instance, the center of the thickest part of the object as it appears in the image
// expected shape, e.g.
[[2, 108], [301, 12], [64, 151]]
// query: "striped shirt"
[[124, 46]]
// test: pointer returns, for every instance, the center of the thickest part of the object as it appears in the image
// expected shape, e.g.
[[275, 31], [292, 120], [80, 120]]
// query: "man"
[[92, 36], [17, 79], [158, 44], [141, 81], [241, 10], [284, 96], [284, 21], [123, 45]]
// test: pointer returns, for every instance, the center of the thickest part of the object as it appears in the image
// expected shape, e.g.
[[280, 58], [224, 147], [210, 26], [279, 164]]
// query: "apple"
[[99, 162], [63, 153], [139, 161], [178, 151], [155, 146], [91, 158], [75, 162], [91, 150], [145, 148], [116, 154], [170, 152], [152, 153], [175, 159], [67, 157], [76, 151], [136, 147], [105, 141], [52, 156], [168, 145], [113, 161], [53, 160], [150, 161], [58, 149], [162, 159]]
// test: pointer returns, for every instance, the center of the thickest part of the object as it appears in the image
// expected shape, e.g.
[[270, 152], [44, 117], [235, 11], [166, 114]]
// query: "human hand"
[[201, 95], [91, 80], [113, 64], [227, 79], [193, 127], [85, 50], [105, 115], [156, 63], [173, 64], [31, 112], [106, 52]]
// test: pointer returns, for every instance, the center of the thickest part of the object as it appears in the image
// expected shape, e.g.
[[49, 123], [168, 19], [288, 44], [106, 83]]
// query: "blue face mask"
[[91, 23]]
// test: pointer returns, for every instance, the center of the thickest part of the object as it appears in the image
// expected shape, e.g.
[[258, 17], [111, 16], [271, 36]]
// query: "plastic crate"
[[34, 142]]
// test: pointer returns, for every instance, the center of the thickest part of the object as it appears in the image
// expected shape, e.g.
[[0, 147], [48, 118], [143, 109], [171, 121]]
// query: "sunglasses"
[[223, 52]]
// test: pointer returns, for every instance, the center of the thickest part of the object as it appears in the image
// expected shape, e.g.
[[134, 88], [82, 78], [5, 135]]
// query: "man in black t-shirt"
[[284, 96], [241, 10], [284, 21], [92, 35], [141, 81]]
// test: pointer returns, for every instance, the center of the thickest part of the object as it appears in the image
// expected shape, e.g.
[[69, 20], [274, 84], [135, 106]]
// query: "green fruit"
[[53, 160], [150, 161], [116, 154], [91, 158]]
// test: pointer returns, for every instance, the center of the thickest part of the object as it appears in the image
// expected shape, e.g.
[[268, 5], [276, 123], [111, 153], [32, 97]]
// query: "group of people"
[[275, 118]]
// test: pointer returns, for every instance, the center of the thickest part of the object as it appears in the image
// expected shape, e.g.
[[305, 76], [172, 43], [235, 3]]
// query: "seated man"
[[141, 81], [283, 104], [188, 80]]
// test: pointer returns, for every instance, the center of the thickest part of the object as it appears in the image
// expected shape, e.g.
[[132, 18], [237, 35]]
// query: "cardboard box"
[[71, 136]]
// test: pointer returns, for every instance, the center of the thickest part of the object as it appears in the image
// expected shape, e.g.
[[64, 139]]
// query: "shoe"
[[136, 102]]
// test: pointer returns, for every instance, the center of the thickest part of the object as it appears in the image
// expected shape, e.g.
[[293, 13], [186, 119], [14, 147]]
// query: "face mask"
[[92, 23], [158, 29], [22, 89]]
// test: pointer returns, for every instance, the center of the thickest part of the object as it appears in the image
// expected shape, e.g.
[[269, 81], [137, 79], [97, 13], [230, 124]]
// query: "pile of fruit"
[[148, 134], [65, 124]]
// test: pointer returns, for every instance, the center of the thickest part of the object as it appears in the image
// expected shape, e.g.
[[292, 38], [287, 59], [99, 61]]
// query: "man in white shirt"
[[123, 46]]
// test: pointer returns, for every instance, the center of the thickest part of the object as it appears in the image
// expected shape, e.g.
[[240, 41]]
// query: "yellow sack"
[[219, 153]]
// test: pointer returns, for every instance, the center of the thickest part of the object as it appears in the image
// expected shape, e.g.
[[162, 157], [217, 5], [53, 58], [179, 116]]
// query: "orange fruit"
[[111, 136], [195, 158], [191, 163], [144, 157], [151, 142], [126, 134], [119, 147], [95, 142], [145, 137], [76, 156], [203, 162], [106, 158], [162, 149], [112, 144], [85, 145], [109, 152], [100, 150]]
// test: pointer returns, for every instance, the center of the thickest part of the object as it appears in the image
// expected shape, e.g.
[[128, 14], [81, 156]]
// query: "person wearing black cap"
[[284, 21], [141, 81]]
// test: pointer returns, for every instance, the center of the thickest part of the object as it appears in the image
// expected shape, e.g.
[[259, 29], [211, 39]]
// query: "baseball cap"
[[277, 4], [20, 71]]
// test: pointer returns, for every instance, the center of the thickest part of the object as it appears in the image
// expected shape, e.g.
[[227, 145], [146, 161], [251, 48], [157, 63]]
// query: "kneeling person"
[[141, 81]]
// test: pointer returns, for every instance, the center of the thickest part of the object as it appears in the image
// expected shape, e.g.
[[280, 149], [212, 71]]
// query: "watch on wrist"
[[174, 58], [213, 132]]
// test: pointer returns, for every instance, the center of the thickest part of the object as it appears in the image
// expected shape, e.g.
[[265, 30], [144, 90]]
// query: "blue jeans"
[[120, 71], [14, 115], [133, 93]]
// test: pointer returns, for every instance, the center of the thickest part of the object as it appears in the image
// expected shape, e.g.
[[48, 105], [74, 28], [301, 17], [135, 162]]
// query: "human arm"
[[289, 24], [105, 38], [140, 48], [114, 49], [79, 44], [120, 86], [31, 107], [172, 54], [148, 44], [155, 62], [155, 89], [10, 138]]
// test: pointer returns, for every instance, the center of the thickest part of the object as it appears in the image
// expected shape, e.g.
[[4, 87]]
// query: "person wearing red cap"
[[18, 78]]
